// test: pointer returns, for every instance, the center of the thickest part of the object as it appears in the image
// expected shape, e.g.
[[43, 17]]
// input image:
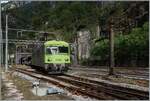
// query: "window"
[[63, 49], [56, 50], [48, 51], [51, 50]]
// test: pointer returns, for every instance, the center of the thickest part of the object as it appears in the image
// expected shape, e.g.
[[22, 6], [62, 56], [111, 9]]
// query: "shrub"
[[130, 50]]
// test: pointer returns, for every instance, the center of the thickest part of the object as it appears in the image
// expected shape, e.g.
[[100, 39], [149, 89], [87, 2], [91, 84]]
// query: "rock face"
[[13, 4], [83, 44]]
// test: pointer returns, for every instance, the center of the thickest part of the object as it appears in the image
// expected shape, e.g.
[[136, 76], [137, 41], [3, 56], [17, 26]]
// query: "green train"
[[51, 56]]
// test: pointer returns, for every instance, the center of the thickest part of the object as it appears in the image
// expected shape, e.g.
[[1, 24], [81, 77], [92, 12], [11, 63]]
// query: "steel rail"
[[143, 76], [99, 87], [135, 92], [69, 88], [96, 88], [124, 95]]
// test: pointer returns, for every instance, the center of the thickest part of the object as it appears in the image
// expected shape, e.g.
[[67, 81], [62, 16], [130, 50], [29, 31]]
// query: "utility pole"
[[45, 36], [16, 55], [1, 52], [111, 41], [6, 48], [2, 55], [0, 39]]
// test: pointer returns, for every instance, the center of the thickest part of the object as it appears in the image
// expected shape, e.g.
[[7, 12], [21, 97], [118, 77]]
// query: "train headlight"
[[48, 60]]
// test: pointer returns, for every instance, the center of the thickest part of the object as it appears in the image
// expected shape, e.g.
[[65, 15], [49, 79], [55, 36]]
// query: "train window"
[[56, 50], [48, 51], [52, 50], [63, 49]]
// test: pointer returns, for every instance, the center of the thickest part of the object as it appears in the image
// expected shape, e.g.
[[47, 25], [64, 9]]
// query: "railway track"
[[119, 92], [71, 88], [95, 89], [134, 76], [143, 75], [106, 67], [124, 75]]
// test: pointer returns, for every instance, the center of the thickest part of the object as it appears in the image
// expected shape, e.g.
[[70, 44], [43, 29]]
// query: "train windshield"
[[56, 50], [63, 49], [52, 50]]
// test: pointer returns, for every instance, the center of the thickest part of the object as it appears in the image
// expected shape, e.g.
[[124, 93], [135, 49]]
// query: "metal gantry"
[[25, 42], [21, 43], [16, 41], [34, 31]]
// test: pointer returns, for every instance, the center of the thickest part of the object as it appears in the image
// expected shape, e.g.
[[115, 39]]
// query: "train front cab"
[[57, 57]]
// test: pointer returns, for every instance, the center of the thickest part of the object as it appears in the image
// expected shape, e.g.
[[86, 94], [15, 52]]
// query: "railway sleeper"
[[70, 88], [138, 93], [107, 91], [123, 95], [93, 88]]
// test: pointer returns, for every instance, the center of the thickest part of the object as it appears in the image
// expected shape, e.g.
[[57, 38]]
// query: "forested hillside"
[[130, 20]]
